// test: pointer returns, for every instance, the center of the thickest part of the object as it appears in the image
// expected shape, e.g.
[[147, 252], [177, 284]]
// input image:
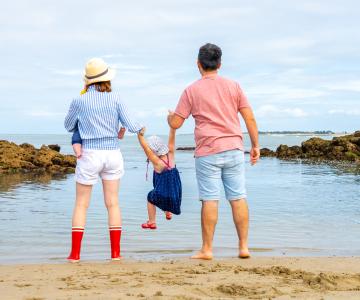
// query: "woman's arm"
[[126, 119], [171, 142], [148, 152], [71, 118]]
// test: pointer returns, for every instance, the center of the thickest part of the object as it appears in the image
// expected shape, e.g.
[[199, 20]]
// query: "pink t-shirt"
[[214, 102]]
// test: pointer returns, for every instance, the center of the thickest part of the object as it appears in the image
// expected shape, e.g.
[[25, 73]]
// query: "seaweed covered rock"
[[266, 152], [284, 151], [26, 158], [342, 148]]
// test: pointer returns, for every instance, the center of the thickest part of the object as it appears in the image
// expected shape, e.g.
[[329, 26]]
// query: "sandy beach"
[[256, 278]]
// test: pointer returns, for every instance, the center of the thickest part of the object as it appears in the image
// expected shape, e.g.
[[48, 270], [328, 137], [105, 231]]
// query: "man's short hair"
[[210, 57]]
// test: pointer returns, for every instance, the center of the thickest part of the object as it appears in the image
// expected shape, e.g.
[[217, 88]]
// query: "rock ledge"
[[25, 158]]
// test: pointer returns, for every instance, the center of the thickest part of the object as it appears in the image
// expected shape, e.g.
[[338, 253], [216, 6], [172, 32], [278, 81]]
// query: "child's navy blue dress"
[[167, 191]]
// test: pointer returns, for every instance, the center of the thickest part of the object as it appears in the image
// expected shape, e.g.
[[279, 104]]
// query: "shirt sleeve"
[[184, 106], [71, 118], [76, 138], [242, 99], [127, 120]]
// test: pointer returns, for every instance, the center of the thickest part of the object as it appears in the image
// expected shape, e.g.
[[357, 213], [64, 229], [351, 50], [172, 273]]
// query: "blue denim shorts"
[[225, 168]]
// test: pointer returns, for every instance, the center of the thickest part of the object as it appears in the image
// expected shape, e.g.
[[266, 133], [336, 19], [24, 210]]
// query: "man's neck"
[[209, 73]]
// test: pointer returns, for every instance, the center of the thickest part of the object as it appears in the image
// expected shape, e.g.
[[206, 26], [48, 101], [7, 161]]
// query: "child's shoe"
[[168, 215], [148, 225]]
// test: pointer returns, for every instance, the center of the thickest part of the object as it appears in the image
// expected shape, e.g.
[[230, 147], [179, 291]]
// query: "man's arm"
[[251, 126], [174, 120]]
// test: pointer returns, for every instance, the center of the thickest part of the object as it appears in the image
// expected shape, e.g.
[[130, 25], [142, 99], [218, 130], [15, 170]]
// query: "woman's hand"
[[121, 133], [142, 131]]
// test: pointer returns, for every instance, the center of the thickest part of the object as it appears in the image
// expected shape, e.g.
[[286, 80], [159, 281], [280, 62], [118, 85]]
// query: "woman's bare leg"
[[83, 195], [111, 198]]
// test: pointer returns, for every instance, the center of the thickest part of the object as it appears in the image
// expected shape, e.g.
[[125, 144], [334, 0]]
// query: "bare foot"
[[203, 255], [244, 253]]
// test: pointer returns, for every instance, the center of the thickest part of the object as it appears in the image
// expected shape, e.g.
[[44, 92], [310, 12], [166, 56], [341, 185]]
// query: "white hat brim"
[[106, 77]]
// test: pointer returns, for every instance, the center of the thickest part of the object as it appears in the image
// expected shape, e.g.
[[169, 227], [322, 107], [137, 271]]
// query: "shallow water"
[[296, 209]]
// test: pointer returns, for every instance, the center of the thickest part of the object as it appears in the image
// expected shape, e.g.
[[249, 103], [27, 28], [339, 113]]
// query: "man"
[[215, 102]]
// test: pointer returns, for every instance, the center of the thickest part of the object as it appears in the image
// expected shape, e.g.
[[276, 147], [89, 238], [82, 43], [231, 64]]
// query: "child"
[[76, 140], [167, 190]]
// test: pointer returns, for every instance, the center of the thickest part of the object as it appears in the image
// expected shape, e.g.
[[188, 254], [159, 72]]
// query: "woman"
[[97, 114]]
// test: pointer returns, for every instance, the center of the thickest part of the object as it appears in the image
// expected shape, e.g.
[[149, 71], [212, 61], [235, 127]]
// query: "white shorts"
[[108, 164]]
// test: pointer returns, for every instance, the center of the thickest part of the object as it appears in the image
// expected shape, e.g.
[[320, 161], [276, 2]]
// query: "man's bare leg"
[[209, 217], [240, 213]]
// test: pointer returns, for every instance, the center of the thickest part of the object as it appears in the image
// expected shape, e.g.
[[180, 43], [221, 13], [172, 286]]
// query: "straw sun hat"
[[96, 70]]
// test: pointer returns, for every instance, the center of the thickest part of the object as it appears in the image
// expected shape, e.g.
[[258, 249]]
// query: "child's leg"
[[151, 212], [77, 150], [76, 142], [121, 133]]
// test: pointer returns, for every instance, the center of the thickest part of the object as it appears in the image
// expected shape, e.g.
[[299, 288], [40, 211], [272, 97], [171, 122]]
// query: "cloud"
[[346, 112], [289, 43], [156, 112], [70, 72], [350, 85], [43, 113], [274, 111], [289, 57], [280, 93], [113, 55]]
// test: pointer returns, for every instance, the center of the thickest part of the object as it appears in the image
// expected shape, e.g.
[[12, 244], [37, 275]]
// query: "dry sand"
[[256, 278]]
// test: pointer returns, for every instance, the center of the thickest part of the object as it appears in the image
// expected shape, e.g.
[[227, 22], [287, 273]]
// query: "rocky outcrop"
[[26, 158], [343, 148], [185, 148]]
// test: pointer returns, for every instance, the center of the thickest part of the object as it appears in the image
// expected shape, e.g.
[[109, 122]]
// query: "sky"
[[298, 62]]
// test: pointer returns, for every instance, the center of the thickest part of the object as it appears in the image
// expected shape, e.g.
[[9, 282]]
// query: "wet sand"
[[255, 278]]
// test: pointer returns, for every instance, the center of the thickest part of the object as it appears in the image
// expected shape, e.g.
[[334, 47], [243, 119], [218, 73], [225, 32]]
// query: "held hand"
[[254, 155], [121, 133], [142, 131], [170, 115]]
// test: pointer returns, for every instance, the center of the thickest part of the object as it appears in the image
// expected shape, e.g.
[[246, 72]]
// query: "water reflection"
[[10, 182]]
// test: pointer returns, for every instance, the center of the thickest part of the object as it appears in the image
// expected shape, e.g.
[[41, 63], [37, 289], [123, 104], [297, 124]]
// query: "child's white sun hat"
[[157, 145], [97, 70]]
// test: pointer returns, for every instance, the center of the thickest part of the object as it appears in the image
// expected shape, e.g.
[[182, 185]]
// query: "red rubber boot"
[[76, 237], [115, 236]]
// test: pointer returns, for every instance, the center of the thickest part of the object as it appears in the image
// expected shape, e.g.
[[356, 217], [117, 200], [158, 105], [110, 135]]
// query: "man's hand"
[[170, 116], [121, 133], [174, 120], [254, 155]]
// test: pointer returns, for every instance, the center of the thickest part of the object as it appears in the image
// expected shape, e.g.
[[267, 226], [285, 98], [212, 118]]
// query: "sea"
[[296, 209]]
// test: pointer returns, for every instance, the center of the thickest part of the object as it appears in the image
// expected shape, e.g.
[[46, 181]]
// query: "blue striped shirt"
[[98, 116]]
